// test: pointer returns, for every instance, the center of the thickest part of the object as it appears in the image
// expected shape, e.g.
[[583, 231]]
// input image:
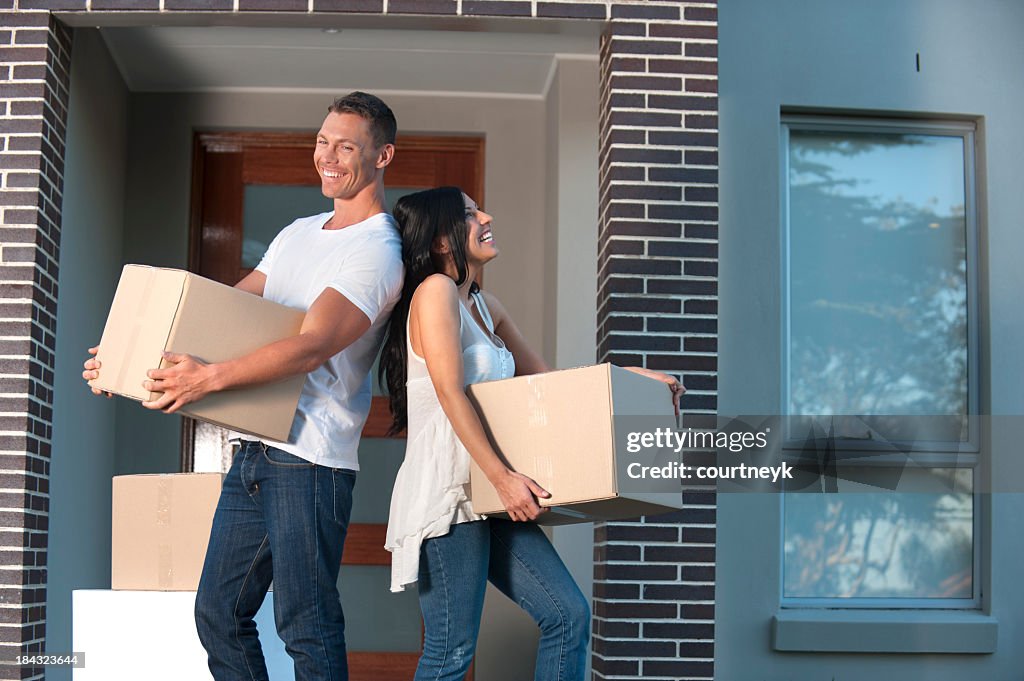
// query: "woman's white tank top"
[[430, 489]]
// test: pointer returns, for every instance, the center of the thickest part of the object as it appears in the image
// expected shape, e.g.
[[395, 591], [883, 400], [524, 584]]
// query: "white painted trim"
[[333, 92], [550, 80]]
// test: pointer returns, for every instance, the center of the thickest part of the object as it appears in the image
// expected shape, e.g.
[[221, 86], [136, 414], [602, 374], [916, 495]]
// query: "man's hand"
[[188, 380], [519, 495], [92, 371]]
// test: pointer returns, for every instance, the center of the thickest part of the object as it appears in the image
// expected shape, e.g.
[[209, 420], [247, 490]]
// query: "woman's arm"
[[434, 322], [527, 360]]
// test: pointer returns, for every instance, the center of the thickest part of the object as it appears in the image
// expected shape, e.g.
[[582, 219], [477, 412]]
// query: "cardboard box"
[[157, 309], [559, 428], [160, 527]]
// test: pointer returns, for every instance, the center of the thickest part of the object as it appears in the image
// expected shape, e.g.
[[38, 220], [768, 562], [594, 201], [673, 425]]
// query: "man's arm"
[[332, 323], [254, 283]]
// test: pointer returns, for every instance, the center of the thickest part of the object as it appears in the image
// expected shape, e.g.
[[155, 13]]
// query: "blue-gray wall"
[[860, 57], [83, 425]]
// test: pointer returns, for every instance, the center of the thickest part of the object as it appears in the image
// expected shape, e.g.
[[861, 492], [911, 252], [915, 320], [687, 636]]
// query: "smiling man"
[[284, 507]]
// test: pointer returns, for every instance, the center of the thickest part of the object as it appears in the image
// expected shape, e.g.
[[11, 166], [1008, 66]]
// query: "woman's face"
[[480, 245]]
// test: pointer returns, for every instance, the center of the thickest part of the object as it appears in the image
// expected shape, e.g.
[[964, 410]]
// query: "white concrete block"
[[131, 635]]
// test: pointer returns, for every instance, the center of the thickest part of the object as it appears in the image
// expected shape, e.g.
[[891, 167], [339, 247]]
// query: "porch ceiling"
[[224, 58]]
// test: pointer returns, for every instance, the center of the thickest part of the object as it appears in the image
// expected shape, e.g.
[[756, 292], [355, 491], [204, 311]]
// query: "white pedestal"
[[132, 635]]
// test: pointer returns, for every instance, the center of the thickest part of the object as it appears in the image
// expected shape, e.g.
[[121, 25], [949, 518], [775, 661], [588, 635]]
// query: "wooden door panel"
[[421, 161], [363, 666], [221, 214], [414, 168], [290, 165], [364, 545]]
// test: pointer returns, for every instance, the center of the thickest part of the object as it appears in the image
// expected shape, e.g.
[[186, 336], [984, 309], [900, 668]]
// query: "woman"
[[444, 334]]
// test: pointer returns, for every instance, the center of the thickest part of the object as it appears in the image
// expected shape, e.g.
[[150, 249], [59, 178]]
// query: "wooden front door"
[[247, 186]]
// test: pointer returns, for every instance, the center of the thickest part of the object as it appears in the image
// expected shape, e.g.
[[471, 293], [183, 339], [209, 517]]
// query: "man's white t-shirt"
[[363, 262]]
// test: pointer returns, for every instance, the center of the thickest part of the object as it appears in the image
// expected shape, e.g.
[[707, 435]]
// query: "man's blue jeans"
[[284, 519], [519, 560]]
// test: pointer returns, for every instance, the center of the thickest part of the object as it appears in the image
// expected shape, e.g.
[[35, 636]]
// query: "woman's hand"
[[519, 495], [671, 381]]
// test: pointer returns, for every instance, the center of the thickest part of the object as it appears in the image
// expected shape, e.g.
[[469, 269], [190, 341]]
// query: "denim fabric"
[[519, 560], [284, 519]]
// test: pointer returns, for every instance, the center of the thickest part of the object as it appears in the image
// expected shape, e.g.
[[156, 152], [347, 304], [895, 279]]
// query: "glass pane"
[[379, 461], [915, 543], [375, 618], [878, 274], [267, 209], [212, 452], [392, 194]]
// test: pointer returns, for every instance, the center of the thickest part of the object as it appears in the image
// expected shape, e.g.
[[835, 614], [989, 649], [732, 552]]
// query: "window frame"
[[858, 452]]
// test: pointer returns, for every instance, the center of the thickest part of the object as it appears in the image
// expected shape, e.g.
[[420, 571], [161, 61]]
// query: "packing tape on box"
[[143, 303], [537, 417], [165, 553], [137, 326], [132, 342]]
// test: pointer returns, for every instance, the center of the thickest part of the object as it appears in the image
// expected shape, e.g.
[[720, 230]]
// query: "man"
[[284, 508]]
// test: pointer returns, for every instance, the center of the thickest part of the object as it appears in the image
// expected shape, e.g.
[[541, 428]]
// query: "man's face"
[[346, 157]]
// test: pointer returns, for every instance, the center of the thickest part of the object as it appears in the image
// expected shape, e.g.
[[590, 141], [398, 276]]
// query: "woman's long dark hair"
[[423, 218]]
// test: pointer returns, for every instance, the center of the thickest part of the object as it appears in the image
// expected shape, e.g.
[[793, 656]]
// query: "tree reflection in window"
[[878, 276], [878, 326]]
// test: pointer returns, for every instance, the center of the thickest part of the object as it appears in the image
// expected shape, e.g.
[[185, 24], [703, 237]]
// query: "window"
[[880, 357]]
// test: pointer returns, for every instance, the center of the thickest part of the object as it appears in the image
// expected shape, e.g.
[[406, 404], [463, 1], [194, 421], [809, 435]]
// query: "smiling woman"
[[446, 333]]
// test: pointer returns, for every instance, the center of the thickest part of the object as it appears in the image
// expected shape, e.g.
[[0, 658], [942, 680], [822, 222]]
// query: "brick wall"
[[657, 294], [34, 83], [657, 290]]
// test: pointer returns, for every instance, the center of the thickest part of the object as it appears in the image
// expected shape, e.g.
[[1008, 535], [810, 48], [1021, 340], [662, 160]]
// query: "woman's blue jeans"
[[519, 560], [284, 519]]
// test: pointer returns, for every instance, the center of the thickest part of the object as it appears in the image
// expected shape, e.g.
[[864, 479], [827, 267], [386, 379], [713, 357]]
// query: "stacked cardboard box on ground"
[[160, 529]]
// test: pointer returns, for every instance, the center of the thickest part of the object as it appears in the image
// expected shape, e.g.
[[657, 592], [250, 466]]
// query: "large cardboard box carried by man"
[[159, 309], [565, 429]]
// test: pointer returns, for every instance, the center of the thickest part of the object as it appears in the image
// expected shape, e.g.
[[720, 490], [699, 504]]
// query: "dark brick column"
[[657, 307], [36, 59]]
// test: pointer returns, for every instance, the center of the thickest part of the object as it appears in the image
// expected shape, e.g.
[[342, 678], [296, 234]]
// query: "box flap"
[[216, 324], [642, 404], [615, 508], [140, 319]]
